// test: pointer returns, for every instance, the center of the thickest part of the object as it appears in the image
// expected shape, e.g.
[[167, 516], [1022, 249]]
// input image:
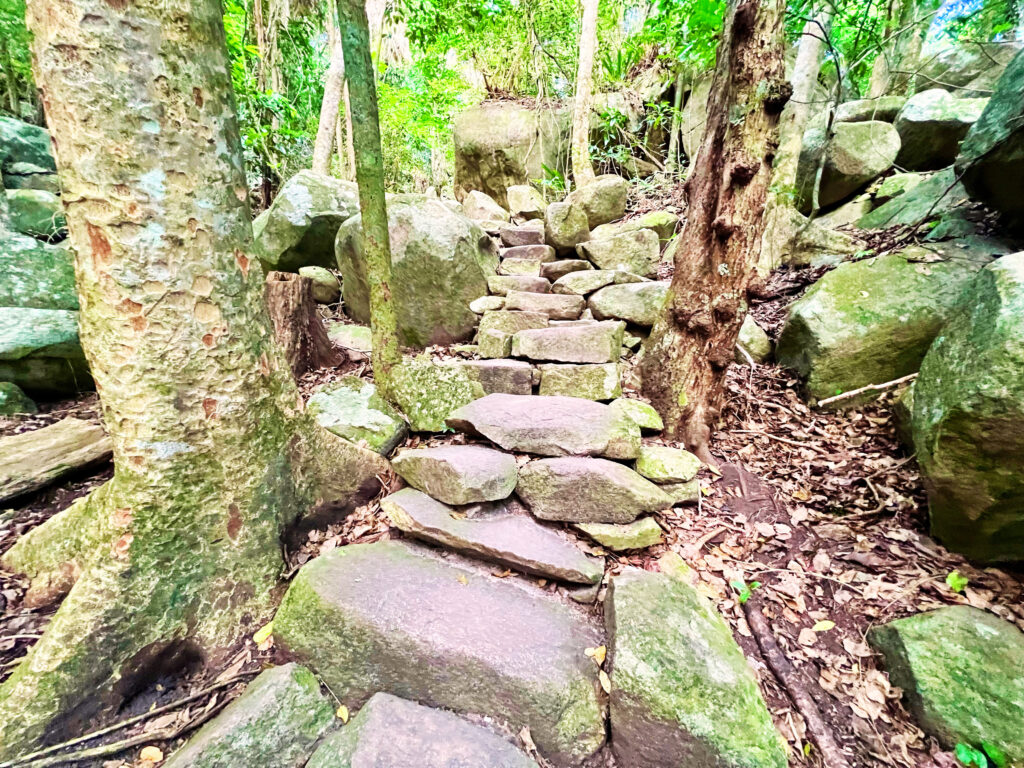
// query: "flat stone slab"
[[516, 266], [637, 303], [524, 234], [510, 320], [962, 674], [538, 253], [352, 409], [582, 283], [682, 692], [395, 618], [664, 464], [494, 532], [554, 270], [549, 426], [395, 733], [487, 304], [274, 723], [510, 377], [587, 490], [601, 381], [32, 460], [591, 343], [555, 306], [643, 414], [641, 533], [499, 285], [459, 474]]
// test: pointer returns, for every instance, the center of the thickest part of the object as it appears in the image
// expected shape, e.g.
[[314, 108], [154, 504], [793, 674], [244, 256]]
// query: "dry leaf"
[[606, 682], [342, 713], [151, 755]]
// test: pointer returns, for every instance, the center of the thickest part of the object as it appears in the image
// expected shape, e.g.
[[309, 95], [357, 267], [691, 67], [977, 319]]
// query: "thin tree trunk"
[[673, 140], [177, 556], [692, 343], [300, 331], [582, 167], [894, 69], [334, 83], [10, 82], [369, 169]]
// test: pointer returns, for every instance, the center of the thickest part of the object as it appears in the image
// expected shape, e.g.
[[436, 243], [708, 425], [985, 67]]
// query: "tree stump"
[[297, 326]]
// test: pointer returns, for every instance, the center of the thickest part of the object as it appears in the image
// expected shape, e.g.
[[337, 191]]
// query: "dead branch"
[[869, 388]]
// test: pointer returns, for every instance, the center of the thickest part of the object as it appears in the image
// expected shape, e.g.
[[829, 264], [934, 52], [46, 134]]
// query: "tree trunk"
[[214, 458], [582, 168], [334, 83], [369, 169], [672, 163], [299, 330], [782, 221], [692, 343], [894, 69]]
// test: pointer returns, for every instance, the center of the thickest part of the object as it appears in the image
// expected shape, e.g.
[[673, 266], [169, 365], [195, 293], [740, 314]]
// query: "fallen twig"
[[869, 388]]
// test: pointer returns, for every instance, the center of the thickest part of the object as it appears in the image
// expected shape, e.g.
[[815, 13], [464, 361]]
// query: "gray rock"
[[326, 287], [427, 392], [510, 377], [555, 270], [682, 693], [637, 303], [525, 202], [13, 401], [565, 226], [40, 351], [554, 306], [967, 68], [857, 155], [884, 108], [497, 327], [638, 252], [275, 723], [596, 343], [640, 413], [395, 618], [352, 409], [550, 426], [530, 233], [593, 382], [513, 266], [931, 126], [586, 490], [393, 732], [662, 464], [754, 341], [664, 223], [540, 253], [500, 285], [682, 493], [459, 474], [603, 199], [582, 283], [498, 533], [299, 227], [928, 200], [640, 534], [480, 206], [357, 337], [487, 304]]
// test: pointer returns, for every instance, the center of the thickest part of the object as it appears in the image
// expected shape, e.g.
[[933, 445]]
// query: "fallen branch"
[[869, 388], [831, 754]]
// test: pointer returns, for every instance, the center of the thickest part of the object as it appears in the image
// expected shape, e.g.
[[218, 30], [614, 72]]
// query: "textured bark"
[[692, 343], [582, 168], [178, 555], [369, 167], [672, 162], [334, 82], [299, 330], [894, 69]]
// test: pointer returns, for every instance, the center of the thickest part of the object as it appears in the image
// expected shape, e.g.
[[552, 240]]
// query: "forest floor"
[[836, 541]]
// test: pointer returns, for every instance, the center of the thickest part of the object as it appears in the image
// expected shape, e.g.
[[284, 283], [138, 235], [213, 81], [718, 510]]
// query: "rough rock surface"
[[459, 474], [352, 409], [13, 401], [510, 377], [593, 382], [682, 693], [640, 413], [37, 213], [754, 340], [356, 337], [487, 304], [482, 207], [664, 223], [40, 351], [960, 671], [968, 418], [275, 723], [526, 202], [550, 426], [664, 464], [390, 732], [498, 533], [500, 285], [542, 254], [928, 200], [299, 227], [884, 108], [440, 262], [22, 142], [565, 226], [427, 392], [555, 270], [586, 281], [857, 154], [554, 306], [968, 69], [438, 633], [871, 321], [638, 252], [326, 288], [931, 126], [603, 199], [592, 343], [640, 534], [637, 303], [34, 274], [587, 490]]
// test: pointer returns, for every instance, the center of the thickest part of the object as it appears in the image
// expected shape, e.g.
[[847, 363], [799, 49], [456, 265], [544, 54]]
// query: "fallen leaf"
[[597, 654], [263, 633], [823, 626], [342, 713], [151, 755], [606, 682], [807, 636], [462, 579]]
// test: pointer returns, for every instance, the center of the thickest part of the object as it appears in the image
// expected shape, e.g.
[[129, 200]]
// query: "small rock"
[[754, 340], [326, 287], [555, 306], [640, 534], [596, 343], [482, 207], [603, 199], [13, 401], [357, 337], [494, 338], [663, 464], [640, 413], [638, 252], [487, 304], [459, 474], [586, 490], [352, 409], [515, 266], [662, 222], [554, 270], [540, 253], [682, 493], [565, 226], [593, 382], [526, 202], [497, 533], [637, 303], [531, 233], [499, 285], [510, 377], [492, 345]]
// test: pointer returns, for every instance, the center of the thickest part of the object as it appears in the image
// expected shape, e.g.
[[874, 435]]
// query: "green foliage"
[[743, 589], [685, 31], [956, 582], [16, 85], [989, 756]]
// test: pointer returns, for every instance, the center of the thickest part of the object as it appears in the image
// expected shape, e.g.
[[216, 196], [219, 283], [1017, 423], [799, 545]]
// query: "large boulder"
[[682, 693], [22, 142], [37, 213], [440, 262], [931, 126], [299, 227], [967, 68], [502, 144], [884, 108], [603, 199], [40, 351], [857, 155], [925, 201], [968, 419], [960, 670], [399, 619], [871, 321], [991, 159], [35, 274]]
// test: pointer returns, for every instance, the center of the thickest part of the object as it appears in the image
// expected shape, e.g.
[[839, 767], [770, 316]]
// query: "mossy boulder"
[[754, 341], [275, 723], [968, 418], [640, 534], [663, 464], [640, 413], [440, 262], [931, 126], [857, 155], [967, 68], [637, 303], [13, 401], [664, 223], [871, 321], [21, 142], [603, 199], [960, 670], [35, 274], [36, 212], [40, 351], [428, 392], [299, 227], [928, 200], [352, 409], [682, 693]]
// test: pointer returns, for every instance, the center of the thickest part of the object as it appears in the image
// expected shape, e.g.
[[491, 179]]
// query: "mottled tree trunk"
[[334, 82], [692, 343], [214, 457], [582, 168], [369, 168]]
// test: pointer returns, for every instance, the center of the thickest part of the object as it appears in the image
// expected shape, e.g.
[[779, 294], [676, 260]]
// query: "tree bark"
[[369, 169], [334, 83], [692, 343], [297, 326], [894, 69], [214, 458], [582, 167], [672, 163]]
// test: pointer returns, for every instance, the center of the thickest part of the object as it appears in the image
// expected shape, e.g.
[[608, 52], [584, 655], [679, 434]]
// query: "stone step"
[[597, 343], [587, 281], [550, 426], [620, 537], [600, 381], [555, 306], [459, 474], [638, 252], [531, 233], [501, 533], [510, 377], [517, 266], [395, 733], [637, 303], [499, 285], [539, 253], [396, 618], [556, 269]]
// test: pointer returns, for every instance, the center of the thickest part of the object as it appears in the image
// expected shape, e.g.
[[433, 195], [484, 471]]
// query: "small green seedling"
[[744, 590], [957, 582]]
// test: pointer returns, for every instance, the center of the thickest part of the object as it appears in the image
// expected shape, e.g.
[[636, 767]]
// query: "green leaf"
[[969, 756], [824, 626], [995, 755], [956, 582]]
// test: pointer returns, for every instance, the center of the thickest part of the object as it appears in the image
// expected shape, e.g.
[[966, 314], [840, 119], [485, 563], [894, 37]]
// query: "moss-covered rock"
[[590, 343], [682, 693], [40, 351], [565, 226], [428, 392], [640, 413], [35, 274], [21, 142], [664, 464], [871, 321], [274, 724], [664, 223], [351, 408], [480, 206], [593, 382], [968, 418], [13, 401], [440, 262], [526, 202], [960, 672], [640, 534], [603, 199], [326, 287], [36, 212], [299, 227], [637, 251], [884, 108], [857, 154], [754, 341], [459, 474], [926, 201], [636, 303], [356, 337], [931, 126]]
